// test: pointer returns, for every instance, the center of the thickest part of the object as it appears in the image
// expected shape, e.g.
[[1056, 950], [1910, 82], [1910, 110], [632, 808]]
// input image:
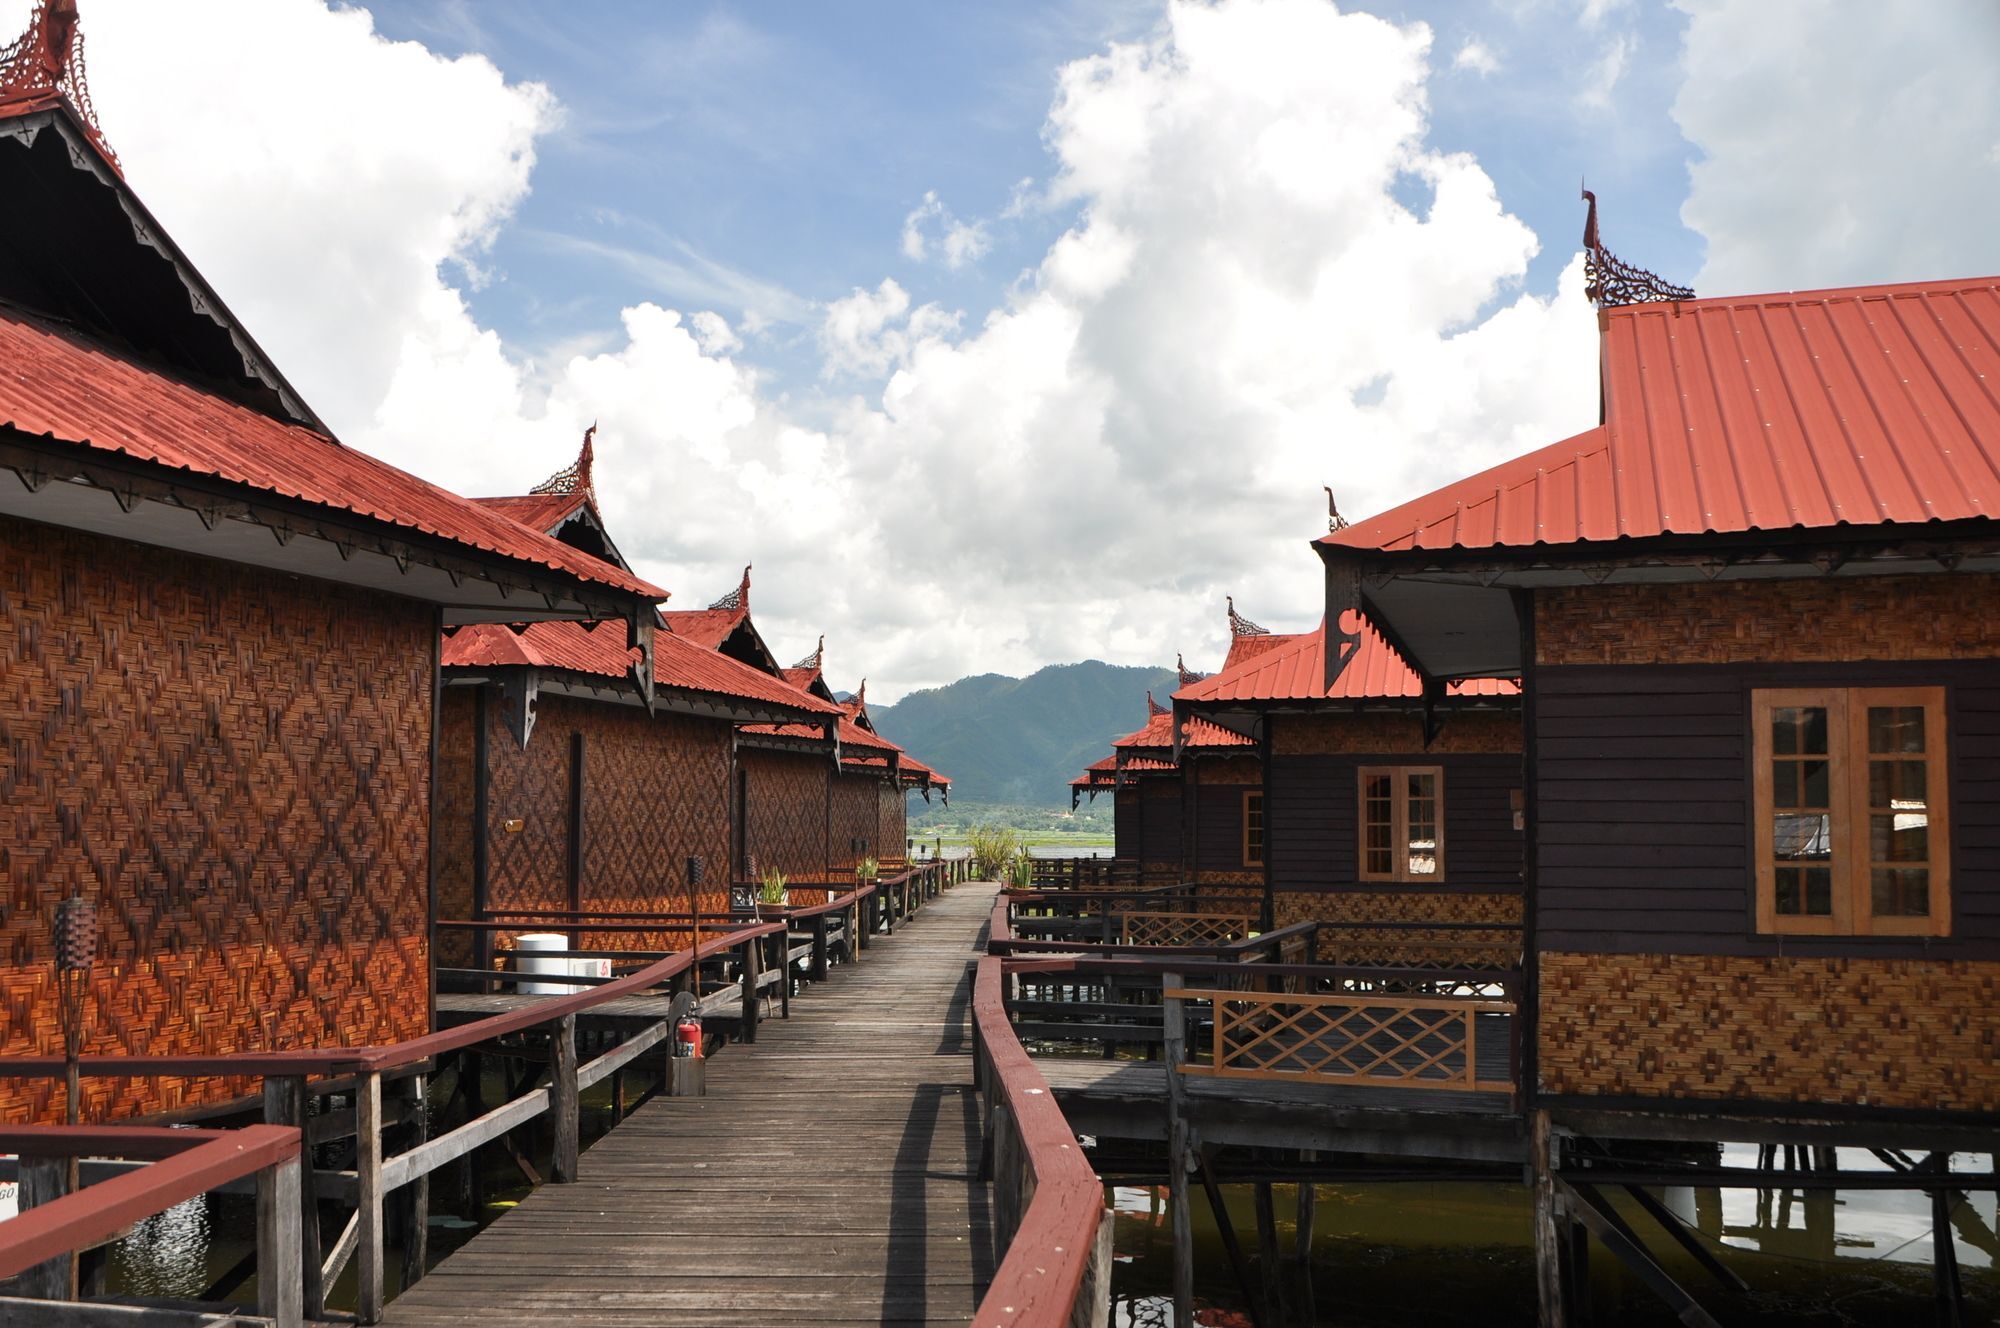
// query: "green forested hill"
[[1021, 740]]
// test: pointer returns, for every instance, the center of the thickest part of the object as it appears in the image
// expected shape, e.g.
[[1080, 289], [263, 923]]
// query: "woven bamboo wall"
[[1349, 939], [656, 790], [856, 814], [1472, 732], [1905, 1033], [787, 810], [892, 825], [1244, 770], [234, 764], [1733, 622]]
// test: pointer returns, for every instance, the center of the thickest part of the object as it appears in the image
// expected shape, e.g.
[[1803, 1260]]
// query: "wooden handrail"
[[204, 1160], [378, 1059], [1054, 1266]]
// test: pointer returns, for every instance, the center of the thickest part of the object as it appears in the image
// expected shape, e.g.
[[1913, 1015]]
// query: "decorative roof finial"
[[1188, 675], [738, 598], [1334, 520], [1609, 280], [812, 661], [1154, 708], [1240, 625], [44, 66], [574, 478]]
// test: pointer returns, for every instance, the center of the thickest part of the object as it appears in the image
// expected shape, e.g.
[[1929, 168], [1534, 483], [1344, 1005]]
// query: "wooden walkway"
[[830, 1176]]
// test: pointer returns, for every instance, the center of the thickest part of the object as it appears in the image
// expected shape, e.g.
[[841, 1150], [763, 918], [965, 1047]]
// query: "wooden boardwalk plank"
[[829, 1177]]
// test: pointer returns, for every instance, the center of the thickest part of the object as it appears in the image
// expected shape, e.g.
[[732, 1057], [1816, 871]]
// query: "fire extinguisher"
[[687, 1036]]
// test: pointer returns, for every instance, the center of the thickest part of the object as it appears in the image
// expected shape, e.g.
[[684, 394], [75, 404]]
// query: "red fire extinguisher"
[[687, 1037]]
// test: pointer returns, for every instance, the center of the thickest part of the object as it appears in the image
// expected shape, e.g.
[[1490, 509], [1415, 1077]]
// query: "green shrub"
[[995, 849]]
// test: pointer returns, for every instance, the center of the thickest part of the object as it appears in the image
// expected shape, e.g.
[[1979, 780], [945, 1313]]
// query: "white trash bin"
[[526, 961]]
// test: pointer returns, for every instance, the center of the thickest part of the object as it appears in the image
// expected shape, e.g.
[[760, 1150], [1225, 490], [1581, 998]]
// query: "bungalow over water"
[[221, 681]]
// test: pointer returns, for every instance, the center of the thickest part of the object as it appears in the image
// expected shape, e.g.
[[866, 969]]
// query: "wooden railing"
[[1431, 1042], [36, 1246], [1051, 1229], [386, 1085], [1083, 873], [1183, 927]]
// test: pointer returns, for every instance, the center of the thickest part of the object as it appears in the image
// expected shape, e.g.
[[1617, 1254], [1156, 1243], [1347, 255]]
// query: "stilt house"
[[219, 676], [564, 788], [1757, 612]]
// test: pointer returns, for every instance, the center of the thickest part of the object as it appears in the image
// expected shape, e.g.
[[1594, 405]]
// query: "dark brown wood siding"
[[1160, 829], [1219, 827], [1312, 840], [1125, 824], [1644, 843]]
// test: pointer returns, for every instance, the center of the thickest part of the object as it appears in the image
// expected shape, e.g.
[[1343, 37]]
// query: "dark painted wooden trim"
[[1269, 914], [431, 847], [482, 782], [1527, 1027]]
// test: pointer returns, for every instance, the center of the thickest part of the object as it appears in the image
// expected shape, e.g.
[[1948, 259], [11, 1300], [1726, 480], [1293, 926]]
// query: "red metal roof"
[[1249, 647], [538, 511], [1872, 405], [1295, 670], [1196, 733], [601, 651], [707, 628], [57, 384]]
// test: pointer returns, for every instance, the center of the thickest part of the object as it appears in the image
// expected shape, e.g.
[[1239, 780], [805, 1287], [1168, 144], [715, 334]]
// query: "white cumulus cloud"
[[956, 242], [1841, 143], [1273, 279]]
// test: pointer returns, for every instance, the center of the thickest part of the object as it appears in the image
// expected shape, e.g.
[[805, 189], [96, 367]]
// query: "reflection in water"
[[168, 1255], [1395, 1254]]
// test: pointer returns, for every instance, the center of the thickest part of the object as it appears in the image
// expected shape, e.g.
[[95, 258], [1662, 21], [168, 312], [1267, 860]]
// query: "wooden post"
[[1548, 1224], [1180, 1149], [819, 964], [1947, 1289], [1093, 1298], [285, 1104], [1268, 1272], [746, 1023], [563, 1099], [368, 1195], [413, 1203], [44, 1180], [280, 1268]]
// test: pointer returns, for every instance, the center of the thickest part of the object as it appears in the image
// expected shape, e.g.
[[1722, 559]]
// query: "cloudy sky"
[[1003, 335]]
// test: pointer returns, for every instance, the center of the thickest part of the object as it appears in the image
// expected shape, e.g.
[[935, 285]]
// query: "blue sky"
[[721, 155], [1005, 335]]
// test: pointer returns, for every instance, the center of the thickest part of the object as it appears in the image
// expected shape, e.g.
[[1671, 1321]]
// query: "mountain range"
[[1021, 740]]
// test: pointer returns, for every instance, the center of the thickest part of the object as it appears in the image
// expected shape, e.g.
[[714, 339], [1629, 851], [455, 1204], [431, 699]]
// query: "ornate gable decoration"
[[739, 598], [1608, 280], [1153, 708], [45, 64], [1240, 625], [574, 478], [1188, 675], [812, 661]]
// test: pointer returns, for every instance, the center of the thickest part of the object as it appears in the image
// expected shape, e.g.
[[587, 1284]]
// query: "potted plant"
[[771, 893], [865, 872]]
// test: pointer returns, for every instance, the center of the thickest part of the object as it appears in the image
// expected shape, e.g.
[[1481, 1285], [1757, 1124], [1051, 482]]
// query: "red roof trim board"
[[1861, 407], [1295, 671]]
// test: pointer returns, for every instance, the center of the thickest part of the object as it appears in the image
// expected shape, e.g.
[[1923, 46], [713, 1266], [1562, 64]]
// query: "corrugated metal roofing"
[[1296, 671], [1249, 647], [601, 652], [538, 511], [1871, 405], [57, 384]]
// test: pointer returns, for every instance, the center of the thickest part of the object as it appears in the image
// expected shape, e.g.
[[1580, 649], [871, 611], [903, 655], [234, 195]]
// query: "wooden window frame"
[[1254, 859], [1848, 792], [1399, 831]]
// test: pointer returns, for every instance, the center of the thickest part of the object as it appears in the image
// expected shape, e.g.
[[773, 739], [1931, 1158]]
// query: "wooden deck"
[[828, 1177]]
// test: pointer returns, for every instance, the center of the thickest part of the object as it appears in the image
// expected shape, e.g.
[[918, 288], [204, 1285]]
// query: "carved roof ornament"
[[1240, 625], [1154, 708], [812, 661], [574, 478], [44, 65], [1608, 280], [739, 598], [1334, 520], [1188, 675]]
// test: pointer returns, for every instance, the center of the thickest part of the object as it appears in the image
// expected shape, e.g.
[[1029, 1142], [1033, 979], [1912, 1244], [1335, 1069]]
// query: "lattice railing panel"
[[1432, 1042], [1183, 928]]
